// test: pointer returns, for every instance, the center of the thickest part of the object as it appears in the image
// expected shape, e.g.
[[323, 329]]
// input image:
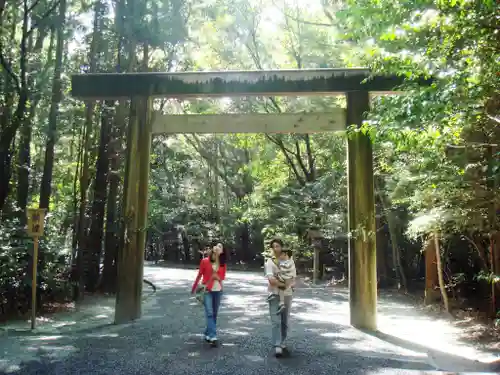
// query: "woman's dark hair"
[[276, 240], [222, 256]]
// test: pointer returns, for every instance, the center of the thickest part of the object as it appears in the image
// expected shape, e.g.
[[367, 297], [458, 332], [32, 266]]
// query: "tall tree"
[[46, 185]]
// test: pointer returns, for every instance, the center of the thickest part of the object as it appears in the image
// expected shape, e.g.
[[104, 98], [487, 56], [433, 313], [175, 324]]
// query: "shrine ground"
[[168, 339]]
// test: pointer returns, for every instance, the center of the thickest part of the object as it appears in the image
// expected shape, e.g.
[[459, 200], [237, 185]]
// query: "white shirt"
[[216, 287], [271, 269]]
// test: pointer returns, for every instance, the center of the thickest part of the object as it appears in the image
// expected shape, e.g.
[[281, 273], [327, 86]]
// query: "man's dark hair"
[[276, 240]]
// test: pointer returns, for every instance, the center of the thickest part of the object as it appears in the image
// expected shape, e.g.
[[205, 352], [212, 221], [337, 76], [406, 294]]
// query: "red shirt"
[[205, 274]]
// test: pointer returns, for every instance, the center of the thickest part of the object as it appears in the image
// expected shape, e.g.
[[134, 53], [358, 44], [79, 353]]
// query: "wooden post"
[[145, 133], [35, 228], [315, 236], [131, 257], [33, 282], [361, 218]]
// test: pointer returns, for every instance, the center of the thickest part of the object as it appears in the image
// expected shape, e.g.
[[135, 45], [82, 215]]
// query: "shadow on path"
[[168, 340]]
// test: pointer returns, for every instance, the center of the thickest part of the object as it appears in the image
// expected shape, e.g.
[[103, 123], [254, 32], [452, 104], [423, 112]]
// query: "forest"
[[436, 152]]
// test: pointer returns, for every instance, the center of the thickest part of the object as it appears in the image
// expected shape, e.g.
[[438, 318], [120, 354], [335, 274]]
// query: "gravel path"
[[168, 340]]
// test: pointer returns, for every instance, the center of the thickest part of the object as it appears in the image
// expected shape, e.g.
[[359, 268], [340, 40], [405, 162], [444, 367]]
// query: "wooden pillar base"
[[135, 203], [362, 228]]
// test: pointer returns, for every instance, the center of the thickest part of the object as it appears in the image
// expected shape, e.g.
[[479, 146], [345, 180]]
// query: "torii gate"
[[140, 88]]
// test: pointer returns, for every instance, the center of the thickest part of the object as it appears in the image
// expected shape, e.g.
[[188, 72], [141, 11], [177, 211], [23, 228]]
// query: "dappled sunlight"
[[232, 312], [170, 276], [101, 335], [8, 368], [92, 312], [437, 334], [313, 317], [32, 349], [251, 305], [63, 324], [254, 358], [173, 322], [249, 288], [153, 317], [14, 353], [309, 309], [235, 332], [43, 338], [365, 345], [336, 335], [241, 320], [57, 351], [391, 370]]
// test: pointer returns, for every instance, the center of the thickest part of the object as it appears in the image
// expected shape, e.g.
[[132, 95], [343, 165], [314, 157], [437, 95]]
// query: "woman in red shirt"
[[212, 272]]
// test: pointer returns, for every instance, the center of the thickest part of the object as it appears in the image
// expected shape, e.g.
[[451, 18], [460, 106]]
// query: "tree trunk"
[[185, 248], [396, 252], [8, 133], [46, 184], [391, 223], [84, 179], [383, 279], [245, 242], [96, 233], [442, 286], [23, 156], [496, 268], [494, 235], [112, 236], [24, 152]]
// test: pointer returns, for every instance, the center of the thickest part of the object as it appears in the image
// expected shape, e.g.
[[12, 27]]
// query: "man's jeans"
[[211, 302], [279, 321]]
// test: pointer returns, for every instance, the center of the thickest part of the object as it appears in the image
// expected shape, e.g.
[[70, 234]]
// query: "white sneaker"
[[278, 351]]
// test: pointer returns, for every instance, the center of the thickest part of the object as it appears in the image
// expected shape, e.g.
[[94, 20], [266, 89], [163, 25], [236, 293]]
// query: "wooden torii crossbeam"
[[99, 86], [301, 123], [355, 83]]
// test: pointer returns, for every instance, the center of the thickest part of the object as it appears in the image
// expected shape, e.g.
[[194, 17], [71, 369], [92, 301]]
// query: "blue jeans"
[[211, 303], [279, 322]]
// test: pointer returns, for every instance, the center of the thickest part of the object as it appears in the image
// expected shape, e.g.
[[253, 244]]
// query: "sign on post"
[[36, 217]]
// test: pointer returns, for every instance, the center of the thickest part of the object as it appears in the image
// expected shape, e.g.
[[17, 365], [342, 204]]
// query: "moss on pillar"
[[361, 218]]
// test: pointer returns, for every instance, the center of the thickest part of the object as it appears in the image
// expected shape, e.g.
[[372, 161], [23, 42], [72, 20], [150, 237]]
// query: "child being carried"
[[286, 273]]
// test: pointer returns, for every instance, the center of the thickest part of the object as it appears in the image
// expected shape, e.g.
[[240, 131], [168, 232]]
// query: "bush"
[[15, 271]]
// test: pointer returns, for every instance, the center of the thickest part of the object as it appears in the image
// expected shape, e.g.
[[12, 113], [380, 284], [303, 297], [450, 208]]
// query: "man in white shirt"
[[279, 321]]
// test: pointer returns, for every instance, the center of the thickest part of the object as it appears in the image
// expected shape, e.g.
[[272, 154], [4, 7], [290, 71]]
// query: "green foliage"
[[431, 144], [15, 269]]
